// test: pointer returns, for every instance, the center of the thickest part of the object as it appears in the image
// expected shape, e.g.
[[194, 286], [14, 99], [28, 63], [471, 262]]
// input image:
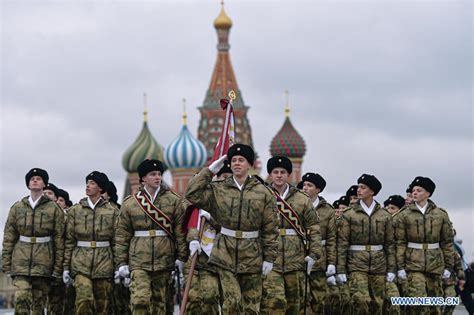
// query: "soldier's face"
[[61, 203], [239, 165], [36, 183], [364, 192], [152, 179], [409, 199], [279, 176], [420, 194], [392, 209], [50, 194], [92, 189], [353, 200], [311, 189]]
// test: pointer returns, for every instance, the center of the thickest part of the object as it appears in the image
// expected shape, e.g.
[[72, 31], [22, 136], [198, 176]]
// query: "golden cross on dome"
[[185, 116], [287, 105], [145, 112]]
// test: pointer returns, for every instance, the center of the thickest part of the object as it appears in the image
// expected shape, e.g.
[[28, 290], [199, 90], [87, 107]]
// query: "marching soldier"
[[366, 249], [425, 253], [33, 245], [51, 191], [393, 205], [457, 275], [63, 200], [246, 246], [323, 273], [149, 241], [204, 293], [284, 287], [88, 254], [351, 193]]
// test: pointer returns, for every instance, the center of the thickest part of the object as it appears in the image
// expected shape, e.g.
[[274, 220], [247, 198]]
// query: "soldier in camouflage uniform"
[[33, 245], [246, 246], [457, 275], [323, 273], [366, 249], [146, 251], [204, 297], [351, 193], [393, 205], [284, 287], [51, 191], [424, 245], [88, 254]]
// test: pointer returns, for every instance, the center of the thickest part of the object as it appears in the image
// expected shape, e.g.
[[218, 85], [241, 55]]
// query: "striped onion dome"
[[288, 141], [144, 147], [185, 151]]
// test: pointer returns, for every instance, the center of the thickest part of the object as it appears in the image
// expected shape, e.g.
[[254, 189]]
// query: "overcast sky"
[[378, 87]]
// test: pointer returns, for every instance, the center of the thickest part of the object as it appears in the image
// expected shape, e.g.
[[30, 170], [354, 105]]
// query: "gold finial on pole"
[[287, 105], [185, 116], [232, 95], [145, 112]]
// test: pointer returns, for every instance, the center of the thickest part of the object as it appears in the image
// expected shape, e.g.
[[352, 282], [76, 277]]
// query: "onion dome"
[[288, 142], [144, 147], [223, 21], [185, 151]]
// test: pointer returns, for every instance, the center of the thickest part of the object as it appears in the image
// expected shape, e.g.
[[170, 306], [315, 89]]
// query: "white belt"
[[423, 245], [323, 242], [93, 244], [366, 247], [239, 234], [150, 233], [284, 232], [34, 239]]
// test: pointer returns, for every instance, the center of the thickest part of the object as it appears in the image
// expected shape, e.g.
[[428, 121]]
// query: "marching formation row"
[[268, 248]]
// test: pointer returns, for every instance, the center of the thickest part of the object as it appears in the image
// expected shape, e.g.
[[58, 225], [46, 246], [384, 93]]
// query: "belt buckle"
[[368, 247], [282, 232], [425, 246], [152, 233], [93, 244], [238, 234], [33, 240]]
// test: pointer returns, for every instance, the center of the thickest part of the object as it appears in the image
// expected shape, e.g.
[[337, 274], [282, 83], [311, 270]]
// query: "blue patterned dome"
[[186, 151]]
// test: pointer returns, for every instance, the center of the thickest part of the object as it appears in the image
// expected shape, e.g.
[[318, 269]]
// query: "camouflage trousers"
[[204, 294], [93, 296], [149, 292], [391, 290], [31, 294], [241, 293], [121, 299], [449, 291], [70, 299], [337, 300], [319, 291], [367, 293], [422, 285], [56, 297], [282, 293]]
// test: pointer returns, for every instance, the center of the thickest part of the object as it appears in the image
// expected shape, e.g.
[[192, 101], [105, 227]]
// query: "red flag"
[[227, 137]]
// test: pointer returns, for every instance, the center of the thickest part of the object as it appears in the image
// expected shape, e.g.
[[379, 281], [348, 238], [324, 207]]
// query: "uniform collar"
[[33, 203], [154, 195], [370, 209], [91, 204], [422, 209], [316, 202]]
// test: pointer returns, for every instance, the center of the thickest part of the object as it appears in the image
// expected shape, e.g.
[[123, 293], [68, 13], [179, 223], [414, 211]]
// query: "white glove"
[[124, 272], [390, 277], [206, 214], [216, 166], [178, 263], [341, 278], [194, 246], [402, 275], [331, 270], [331, 280], [310, 263], [117, 277], [126, 282], [446, 274], [266, 268], [67, 278]]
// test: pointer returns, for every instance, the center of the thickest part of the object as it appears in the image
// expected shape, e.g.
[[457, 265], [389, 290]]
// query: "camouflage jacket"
[[327, 218], [432, 227], [86, 224], [251, 209], [291, 250], [39, 259], [357, 228], [150, 253]]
